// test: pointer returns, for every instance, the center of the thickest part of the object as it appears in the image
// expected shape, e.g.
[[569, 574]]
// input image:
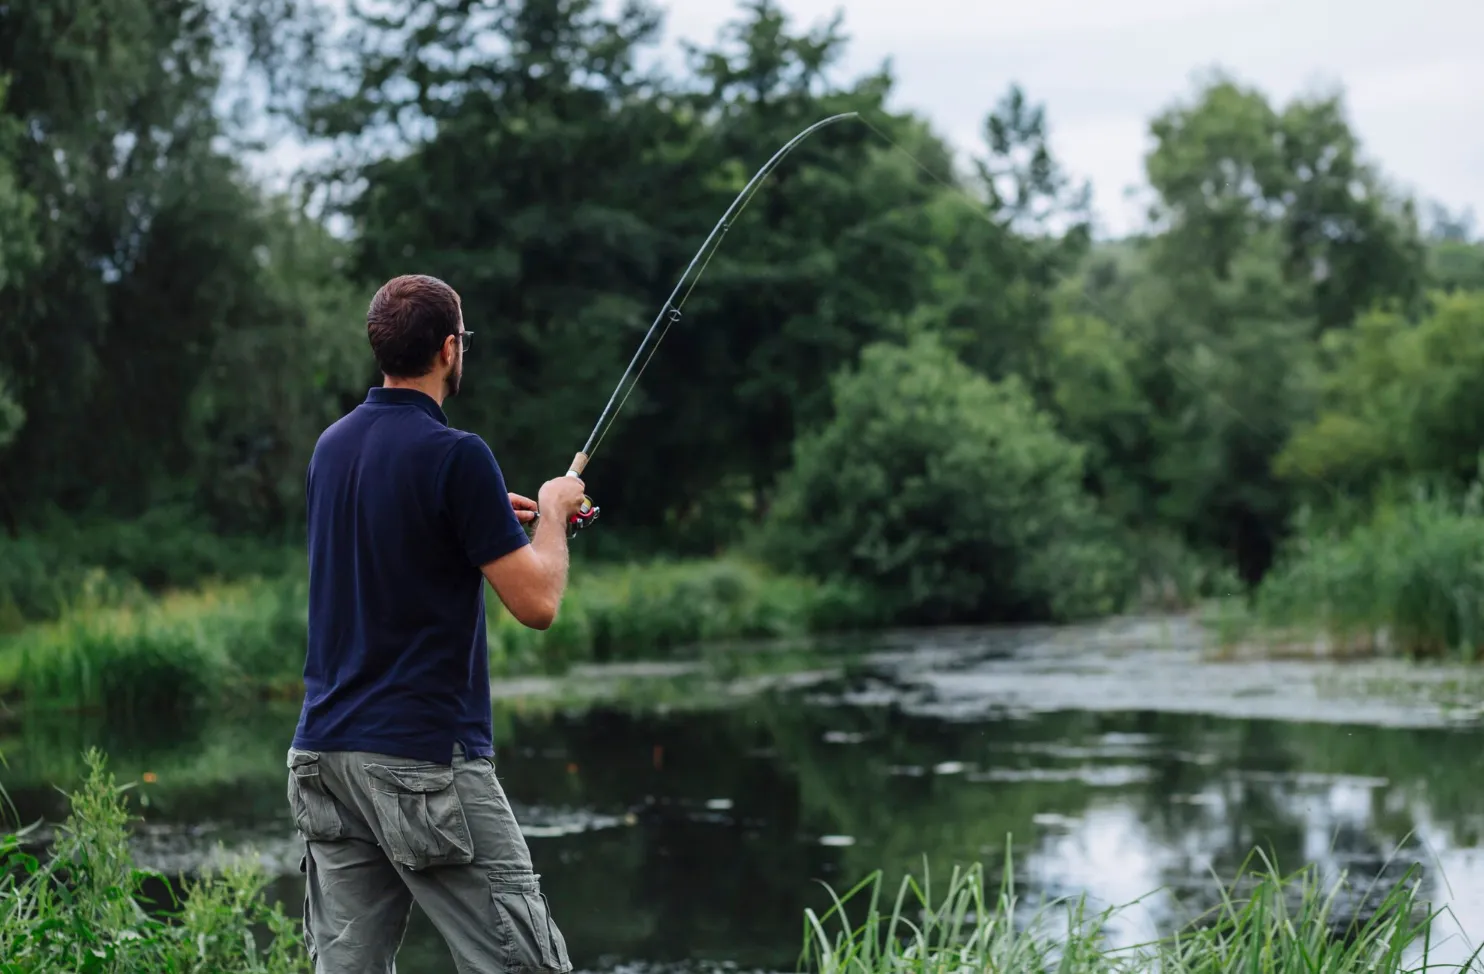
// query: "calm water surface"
[[687, 821]]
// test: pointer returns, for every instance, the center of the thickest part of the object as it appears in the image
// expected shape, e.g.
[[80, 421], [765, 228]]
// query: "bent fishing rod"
[[670, 313]]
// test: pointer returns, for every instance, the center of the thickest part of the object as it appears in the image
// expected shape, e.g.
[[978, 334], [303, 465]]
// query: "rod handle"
[[579, 463]]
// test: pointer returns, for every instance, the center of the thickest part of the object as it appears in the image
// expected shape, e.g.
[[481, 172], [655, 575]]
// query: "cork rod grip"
[[579, 462]]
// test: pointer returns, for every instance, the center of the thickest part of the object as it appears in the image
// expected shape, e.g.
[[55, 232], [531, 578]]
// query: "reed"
[[1265, 922]]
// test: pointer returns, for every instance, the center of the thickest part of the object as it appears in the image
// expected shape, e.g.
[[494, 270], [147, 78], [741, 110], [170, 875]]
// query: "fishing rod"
[[670, 313]]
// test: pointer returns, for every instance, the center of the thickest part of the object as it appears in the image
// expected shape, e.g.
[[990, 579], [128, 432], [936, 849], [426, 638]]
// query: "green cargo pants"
[[381, 832]]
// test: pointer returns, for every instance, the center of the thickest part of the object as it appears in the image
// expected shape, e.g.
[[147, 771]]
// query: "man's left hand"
[[525, 508]]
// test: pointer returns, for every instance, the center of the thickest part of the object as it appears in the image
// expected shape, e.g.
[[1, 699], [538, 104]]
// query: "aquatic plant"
[[85, 908], [1265, 922], [1410, 579]]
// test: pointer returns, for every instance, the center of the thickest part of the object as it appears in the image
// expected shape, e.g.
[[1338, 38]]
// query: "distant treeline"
[[933, 380]]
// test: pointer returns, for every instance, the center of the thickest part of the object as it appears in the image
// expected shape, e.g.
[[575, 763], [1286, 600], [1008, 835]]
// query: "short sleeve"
[[478, 503]]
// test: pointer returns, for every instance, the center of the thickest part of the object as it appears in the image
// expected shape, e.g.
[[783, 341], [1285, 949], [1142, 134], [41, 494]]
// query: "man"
[[391, 772]]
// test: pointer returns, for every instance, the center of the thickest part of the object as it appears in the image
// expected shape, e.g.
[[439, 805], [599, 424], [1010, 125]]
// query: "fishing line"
[[670, 312]]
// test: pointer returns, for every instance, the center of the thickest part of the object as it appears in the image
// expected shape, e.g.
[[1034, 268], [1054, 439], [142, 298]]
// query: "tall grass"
[[185, 650], [1266, 922], [87, 908], [1411, 578], [178, 652], [651, 610]]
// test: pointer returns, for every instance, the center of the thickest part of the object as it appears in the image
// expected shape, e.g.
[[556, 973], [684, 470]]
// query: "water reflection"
[[698, 837]]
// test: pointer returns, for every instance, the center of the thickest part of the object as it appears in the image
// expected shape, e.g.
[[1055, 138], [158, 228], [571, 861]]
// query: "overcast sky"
[[1413, 72]]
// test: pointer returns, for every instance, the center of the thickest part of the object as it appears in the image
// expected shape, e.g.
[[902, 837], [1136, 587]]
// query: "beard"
[[454, 379]]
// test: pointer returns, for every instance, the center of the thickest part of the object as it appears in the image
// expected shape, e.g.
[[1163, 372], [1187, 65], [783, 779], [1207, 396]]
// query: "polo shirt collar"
[[407, 397]]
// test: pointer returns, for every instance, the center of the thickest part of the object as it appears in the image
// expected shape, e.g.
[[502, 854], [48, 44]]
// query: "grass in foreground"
[[86, 909], [1274, 924]]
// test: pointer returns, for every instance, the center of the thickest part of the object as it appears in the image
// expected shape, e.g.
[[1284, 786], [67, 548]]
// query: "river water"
[[684, 816]]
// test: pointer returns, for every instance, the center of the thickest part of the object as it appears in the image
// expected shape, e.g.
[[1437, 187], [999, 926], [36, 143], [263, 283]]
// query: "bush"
[[38, 583], [86, 910], [1412, 575], [1173, 576], [952, 497], [95, 562]]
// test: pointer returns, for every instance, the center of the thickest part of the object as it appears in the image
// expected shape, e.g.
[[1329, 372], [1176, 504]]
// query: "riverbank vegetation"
[[1267, 921], [909, 390], [82, 904], [87, 907], [127, 652]]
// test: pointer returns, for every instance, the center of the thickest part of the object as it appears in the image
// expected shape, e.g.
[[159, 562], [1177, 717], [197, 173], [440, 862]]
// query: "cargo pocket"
[[533, 941], [316, 815], [421, 817]]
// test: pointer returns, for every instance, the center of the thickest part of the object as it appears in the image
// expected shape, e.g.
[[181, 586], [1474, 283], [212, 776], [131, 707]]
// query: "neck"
[[430, 385]]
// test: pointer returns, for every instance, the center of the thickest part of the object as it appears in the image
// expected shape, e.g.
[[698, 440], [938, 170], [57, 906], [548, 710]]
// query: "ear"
[[449, 352]]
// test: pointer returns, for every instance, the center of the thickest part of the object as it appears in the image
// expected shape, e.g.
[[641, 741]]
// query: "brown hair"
[[409, 319]]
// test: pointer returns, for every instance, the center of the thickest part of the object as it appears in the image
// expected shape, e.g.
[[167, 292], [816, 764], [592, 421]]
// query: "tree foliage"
[[174, 332], [951, 493], [1399, 399]]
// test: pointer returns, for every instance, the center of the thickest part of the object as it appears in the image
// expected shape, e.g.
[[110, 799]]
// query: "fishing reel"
[[586, 514]]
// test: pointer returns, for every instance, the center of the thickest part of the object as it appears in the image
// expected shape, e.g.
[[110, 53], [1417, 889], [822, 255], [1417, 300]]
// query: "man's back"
[[402, 512], [391, 776]]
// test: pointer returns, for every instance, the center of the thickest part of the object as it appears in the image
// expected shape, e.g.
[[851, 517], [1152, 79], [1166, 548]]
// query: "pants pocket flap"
[[515, 881], [423, 779], [303, 759], [533, 940]]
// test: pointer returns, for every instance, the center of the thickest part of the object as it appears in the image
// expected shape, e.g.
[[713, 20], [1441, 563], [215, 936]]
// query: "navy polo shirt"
[[403, 510]]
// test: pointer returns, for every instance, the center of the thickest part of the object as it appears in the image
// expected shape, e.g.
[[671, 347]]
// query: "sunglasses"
[[464, 337]]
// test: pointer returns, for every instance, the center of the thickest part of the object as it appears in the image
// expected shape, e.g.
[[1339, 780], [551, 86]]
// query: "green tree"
[[1007, 256], [18, 254], [950, 494], [1228, 166], [1455, 257], [1399, 400], [1186, 385], [1456, 265], [293, 363], [148, 255], [562, 190]]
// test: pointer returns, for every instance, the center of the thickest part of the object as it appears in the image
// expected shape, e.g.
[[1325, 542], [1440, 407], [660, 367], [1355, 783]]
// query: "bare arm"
[[532, 579]]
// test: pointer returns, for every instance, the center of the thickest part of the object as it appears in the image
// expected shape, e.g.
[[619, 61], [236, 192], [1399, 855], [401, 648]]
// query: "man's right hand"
[[560, 498], [531, 580]]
